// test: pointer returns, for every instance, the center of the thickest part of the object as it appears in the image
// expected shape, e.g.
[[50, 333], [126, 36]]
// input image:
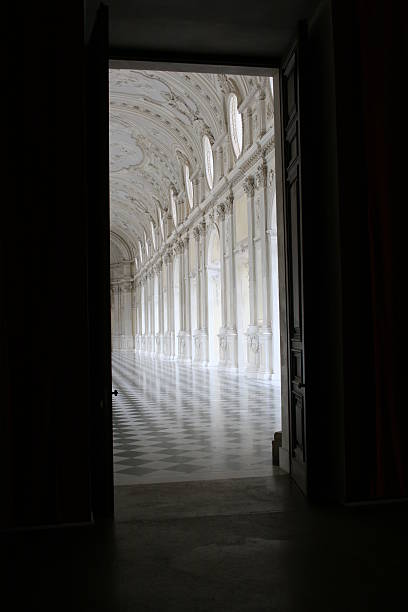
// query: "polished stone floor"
[[243, 545], [175, 422]]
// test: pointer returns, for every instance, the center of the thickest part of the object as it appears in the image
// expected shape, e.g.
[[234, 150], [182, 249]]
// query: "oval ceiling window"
[[271, 86], [235, 125], [153, 234], [173, 207], [209, 162], [189, 186], [146, 244], [161, 222]]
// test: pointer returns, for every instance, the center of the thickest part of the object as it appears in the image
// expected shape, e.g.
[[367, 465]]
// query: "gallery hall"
[[203, 310]]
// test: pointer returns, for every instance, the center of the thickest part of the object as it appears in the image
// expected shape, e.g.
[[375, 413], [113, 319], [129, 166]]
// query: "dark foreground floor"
[[248, 544]]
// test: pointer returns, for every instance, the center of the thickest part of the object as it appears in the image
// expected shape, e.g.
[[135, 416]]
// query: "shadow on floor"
[[248, 544]]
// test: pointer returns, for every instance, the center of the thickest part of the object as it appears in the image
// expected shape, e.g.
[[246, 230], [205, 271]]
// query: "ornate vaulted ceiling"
[[157, 123]]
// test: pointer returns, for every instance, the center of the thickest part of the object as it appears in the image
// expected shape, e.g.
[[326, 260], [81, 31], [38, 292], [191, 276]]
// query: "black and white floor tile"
[[177, 422]]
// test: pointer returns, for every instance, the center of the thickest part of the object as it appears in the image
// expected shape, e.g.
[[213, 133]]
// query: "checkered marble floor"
[[176, 422]]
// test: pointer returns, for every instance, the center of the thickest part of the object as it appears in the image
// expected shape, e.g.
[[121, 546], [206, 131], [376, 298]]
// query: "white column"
[[116, 318], [146, 313], [179, 249], [134, 313], [204, 293], [138, 314], [222, 339], [265, 333], [252, 332], [197, 339], [232, 337], [172, 313], [187, 297], [152, 315], [170, 304], [274, 276], [160, 307], [221, 221], [167, 343]]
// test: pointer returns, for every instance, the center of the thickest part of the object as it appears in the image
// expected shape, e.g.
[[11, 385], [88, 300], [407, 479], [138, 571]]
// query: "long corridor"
[[175, 422]]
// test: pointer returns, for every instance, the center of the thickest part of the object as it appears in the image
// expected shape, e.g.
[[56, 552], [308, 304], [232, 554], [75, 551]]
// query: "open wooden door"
[[97, 161], [292, 172]]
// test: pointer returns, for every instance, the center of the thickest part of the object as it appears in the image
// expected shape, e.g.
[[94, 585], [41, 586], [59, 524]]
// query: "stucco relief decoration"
[[262, 175], [182, 345], [223, 344], [249, 186], [253, 342], [196, 233], [221, 212]]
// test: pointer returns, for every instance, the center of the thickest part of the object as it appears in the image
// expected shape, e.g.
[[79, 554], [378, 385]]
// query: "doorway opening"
[[196, 280]]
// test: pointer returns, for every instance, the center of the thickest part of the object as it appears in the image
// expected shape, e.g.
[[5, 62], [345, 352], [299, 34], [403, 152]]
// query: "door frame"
[[205, 65]]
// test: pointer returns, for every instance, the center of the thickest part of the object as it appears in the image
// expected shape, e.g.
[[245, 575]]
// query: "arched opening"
[[214, 296]]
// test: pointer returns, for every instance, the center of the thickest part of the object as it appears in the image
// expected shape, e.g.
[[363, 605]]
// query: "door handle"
[[115, 392]]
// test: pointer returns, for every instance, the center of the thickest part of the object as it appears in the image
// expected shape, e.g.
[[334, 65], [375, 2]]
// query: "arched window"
[[173, 207], [235, 124], [189, 186], [146, 244], [209, 161], [271, 86], [153, 234], [161, 222]]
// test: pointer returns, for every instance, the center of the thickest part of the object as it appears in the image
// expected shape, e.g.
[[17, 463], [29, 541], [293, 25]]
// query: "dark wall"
[[354, 254], [380, 51], [44, 340], [212, 30], [322, 268]]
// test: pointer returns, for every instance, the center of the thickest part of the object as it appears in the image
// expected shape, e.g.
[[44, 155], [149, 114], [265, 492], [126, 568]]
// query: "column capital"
[[179, 247], [261, 175], [203, 227], [196, 233], [249, 186], [261, 93], [221, 212], [211, 218]]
